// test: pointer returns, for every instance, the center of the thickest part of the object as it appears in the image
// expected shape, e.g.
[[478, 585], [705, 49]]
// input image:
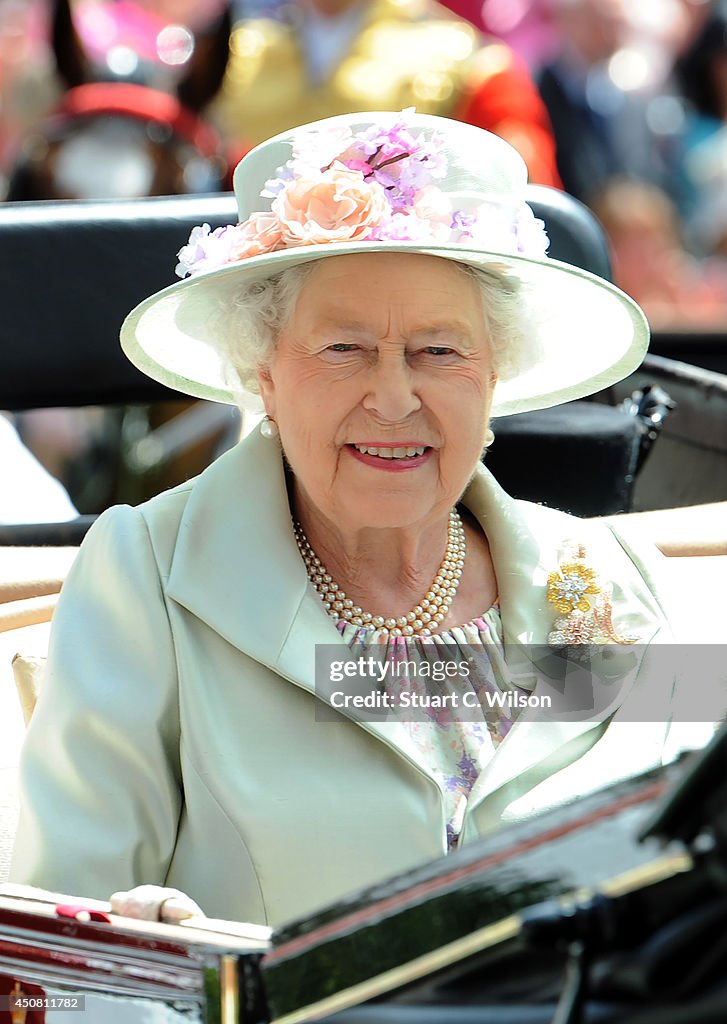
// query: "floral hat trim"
[[376, 185]]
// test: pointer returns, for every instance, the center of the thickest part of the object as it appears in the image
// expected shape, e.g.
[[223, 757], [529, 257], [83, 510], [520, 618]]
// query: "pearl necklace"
[[423, 619]]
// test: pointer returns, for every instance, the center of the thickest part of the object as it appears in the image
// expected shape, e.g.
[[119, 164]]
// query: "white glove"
[[155, 903]]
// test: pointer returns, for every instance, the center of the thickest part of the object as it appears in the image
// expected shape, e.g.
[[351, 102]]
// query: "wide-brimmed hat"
[[382, 182]]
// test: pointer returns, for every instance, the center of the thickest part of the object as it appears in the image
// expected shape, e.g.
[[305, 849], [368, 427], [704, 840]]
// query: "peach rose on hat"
[[260, 233], [335, 205]]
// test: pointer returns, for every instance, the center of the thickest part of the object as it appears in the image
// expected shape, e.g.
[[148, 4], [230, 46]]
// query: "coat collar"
[[236, 567], [236, 529]]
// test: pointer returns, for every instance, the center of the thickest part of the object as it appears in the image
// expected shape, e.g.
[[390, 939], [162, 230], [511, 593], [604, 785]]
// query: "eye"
[[342, 346], [438, 354], [438, 350], [342, 353]]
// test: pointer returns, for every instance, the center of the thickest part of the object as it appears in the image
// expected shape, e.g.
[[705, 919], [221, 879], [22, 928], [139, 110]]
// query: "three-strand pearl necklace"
[[423, 619]]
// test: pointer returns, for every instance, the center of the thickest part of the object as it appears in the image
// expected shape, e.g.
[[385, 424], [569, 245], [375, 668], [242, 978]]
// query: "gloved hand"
[[155, 903]]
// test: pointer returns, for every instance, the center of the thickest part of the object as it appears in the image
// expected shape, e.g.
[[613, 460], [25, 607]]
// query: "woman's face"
[[381, 385]]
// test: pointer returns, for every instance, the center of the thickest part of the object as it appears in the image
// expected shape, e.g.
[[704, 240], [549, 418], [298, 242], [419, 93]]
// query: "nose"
[[392, 394]]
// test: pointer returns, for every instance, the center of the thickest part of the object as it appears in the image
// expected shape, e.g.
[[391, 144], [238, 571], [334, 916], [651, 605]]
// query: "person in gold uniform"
[[337, 57]]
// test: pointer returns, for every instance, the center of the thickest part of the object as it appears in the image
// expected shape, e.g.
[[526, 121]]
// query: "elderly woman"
[[385, 292]]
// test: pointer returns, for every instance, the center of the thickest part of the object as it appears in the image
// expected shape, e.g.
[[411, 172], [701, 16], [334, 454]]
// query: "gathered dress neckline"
[[455, 743]]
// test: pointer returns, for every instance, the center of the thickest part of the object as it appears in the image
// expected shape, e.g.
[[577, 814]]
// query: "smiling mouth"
[[403, 452]]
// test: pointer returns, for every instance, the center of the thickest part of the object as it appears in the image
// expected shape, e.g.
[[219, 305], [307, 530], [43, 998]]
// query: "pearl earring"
[[269, 428], [489, 437]]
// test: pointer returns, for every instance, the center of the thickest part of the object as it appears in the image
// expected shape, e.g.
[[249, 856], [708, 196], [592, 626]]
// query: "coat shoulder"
[[600, 534], [156, 521], [560, 529]]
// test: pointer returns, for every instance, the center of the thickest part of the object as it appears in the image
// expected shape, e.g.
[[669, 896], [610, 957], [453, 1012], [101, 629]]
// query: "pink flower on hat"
[[316, 149], [432, 206], [260, 233], [403, 227], [336, 205], [205, 250], [210, 250]]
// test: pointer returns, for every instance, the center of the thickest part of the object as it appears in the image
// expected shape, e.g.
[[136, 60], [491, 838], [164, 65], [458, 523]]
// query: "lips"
[[388, 452]]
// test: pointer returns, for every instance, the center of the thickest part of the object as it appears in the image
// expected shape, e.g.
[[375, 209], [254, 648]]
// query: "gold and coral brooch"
[[583, 603]]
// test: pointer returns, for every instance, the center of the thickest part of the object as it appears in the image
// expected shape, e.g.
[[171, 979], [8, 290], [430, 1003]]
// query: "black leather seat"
[[580, 457], [70, 274]]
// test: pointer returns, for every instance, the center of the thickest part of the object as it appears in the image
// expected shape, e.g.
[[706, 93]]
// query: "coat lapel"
[[236, 567], [523, 560], [236, 564]]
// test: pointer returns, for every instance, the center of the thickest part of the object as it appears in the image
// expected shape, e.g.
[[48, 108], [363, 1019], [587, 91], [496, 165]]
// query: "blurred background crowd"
[[623, 104], [635, 95]]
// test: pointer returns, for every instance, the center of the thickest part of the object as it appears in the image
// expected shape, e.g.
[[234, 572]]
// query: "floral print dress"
[[456, 742]]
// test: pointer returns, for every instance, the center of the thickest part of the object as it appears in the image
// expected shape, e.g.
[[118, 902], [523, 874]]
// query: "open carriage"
[[456, 941], [611, 909]]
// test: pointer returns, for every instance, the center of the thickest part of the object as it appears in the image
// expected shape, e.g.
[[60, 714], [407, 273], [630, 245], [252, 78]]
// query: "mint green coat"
[[175, 740]]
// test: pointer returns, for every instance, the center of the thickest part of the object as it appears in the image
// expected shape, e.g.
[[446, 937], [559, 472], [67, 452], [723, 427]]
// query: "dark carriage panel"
[[707, 349], [77, 270], [423, 938], [500, 933], [688, 465]]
